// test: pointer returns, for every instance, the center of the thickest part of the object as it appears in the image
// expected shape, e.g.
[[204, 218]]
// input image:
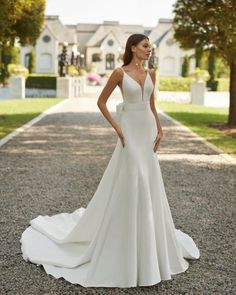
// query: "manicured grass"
[[16, 112], [197, 118]]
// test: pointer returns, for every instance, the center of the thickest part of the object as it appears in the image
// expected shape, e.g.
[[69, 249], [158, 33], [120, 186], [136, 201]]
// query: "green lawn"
[[16, 112], [197, 118]]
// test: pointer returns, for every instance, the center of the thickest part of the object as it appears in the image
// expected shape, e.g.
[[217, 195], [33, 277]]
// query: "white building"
[[170, 55], [49, 45], [102, 45]]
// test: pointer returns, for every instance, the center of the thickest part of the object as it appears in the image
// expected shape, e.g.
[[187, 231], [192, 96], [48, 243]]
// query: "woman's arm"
[[152, 101], [111, 84]]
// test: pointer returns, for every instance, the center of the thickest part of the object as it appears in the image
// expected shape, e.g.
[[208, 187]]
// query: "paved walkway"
[[56, 165]]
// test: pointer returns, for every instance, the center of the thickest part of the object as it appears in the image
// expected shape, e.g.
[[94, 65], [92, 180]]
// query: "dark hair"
[[133, 40]]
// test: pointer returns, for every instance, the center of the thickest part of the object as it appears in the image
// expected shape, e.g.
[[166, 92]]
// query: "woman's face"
[[143, 49]]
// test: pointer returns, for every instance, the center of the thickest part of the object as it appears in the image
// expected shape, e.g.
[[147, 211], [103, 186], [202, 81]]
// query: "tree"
[[5, 59], [202, 24], [21, 19], [199, 57]]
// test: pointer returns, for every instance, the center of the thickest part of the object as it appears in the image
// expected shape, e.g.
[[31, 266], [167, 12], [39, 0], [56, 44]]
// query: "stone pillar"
[[82, 84], [16, 87], [64, 87], [198, 89]]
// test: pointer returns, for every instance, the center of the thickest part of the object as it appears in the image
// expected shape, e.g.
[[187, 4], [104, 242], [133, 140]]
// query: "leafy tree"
[[21, 19], [205, 24]]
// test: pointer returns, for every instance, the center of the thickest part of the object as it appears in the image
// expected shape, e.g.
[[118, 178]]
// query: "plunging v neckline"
[[141, 86]]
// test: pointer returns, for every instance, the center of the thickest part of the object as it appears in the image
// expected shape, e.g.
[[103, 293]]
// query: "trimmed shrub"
[[17, 70], [72, 71], [41, 82]]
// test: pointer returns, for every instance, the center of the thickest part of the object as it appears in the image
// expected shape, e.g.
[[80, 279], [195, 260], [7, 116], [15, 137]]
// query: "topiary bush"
[[17, 70], [72, 71]]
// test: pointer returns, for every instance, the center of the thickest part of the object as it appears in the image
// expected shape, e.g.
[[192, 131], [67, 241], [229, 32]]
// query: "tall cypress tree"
[[212, 83], [185, 66], [31, 66]]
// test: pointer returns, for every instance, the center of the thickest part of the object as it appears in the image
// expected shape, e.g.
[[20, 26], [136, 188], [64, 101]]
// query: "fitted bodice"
[[133, 92]]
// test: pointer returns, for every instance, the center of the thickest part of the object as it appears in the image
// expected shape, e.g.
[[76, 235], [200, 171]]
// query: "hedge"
[[174, 84], [183, 84], [41, 82]]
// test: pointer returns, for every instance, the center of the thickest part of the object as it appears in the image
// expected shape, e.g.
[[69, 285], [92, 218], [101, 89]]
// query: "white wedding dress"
[[125, 237]]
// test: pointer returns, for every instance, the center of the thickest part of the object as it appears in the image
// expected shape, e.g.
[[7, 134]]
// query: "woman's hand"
[[158, 140], [121, 136]]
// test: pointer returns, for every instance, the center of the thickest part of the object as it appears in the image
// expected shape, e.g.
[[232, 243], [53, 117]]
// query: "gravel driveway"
[[56, 165]]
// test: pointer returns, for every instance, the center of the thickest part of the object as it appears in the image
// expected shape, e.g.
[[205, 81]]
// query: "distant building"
[[170, 55], [102, 45], [49, 45]]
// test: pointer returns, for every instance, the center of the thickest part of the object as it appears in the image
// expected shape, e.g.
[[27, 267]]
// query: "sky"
[[142, 12]]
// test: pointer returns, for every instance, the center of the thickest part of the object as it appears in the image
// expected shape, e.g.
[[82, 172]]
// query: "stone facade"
[[100, 46]]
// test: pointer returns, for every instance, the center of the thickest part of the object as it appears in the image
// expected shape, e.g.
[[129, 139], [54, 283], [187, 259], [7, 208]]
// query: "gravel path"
[[56, 165]]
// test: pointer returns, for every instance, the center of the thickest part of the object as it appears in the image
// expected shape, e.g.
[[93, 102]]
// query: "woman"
[[126, 236]]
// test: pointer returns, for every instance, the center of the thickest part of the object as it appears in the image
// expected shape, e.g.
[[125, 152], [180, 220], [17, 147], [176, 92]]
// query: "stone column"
[[198, 89], [64, 87], [82, 84], [16, 87]]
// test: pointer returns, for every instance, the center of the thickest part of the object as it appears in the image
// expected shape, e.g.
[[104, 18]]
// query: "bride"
[[126, 236]]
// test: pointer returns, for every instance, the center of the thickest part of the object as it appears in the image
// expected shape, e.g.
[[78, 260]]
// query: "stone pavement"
[[56, 165]]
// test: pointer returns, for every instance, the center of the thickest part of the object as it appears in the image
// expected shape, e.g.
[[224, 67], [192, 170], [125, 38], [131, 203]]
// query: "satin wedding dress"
[[125, 237]]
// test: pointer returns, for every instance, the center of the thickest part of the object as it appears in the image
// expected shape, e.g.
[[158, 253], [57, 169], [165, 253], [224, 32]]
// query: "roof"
[[161, 30], [120, 32], [158, 40], [61, 32]]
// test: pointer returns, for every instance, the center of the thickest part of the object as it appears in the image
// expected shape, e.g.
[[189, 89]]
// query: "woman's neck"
[[137, 64]]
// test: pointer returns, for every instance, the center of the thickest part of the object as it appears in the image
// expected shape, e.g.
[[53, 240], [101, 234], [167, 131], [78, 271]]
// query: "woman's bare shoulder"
[[117, 72]]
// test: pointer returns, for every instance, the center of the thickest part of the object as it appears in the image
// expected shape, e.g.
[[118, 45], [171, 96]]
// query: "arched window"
[[96, 57], [110, 61]]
